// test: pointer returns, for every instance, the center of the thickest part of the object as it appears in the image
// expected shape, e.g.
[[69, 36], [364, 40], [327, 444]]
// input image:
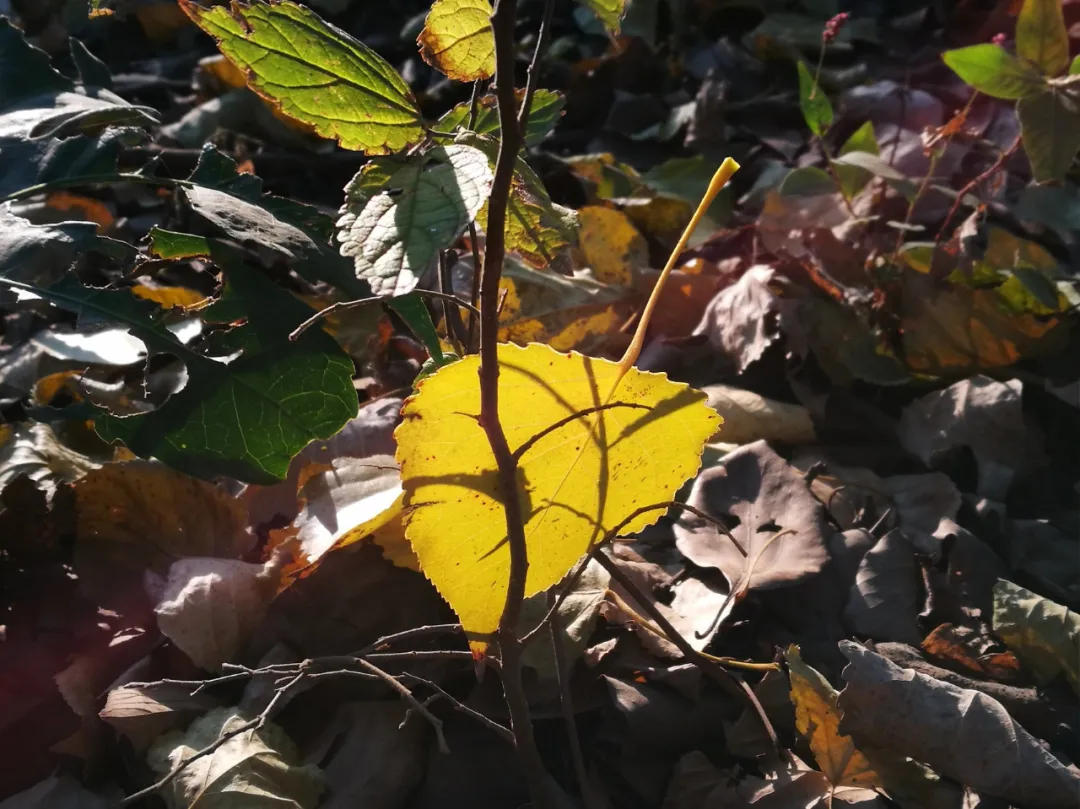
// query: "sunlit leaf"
[[609, 12], [399, 214], [580, 474], [1044, 635], [457, 39], [817, 718], [852, 178], [316, 73], [993, 70], [816, 108], [1041, 37]]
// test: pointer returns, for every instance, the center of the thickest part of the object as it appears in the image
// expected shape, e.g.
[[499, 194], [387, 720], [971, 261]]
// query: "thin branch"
[[967, 189], [534, 66], [723, 678], [341, 306], [410, 634], [457, 705], [566, 703], [503, 20], [407, 695], [422, 654]]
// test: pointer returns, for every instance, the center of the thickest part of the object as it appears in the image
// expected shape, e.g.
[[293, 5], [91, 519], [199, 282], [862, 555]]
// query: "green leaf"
[[1074, 68], [30, 162], [609, 12], [235, 203], [1041, 37], [1044, 635], [816, 108], [993, 70], [1050, 125], [42, 254], [36, 101], [316, 73], [807, 181], [546, 109], [399, 214], [169, 244], [852, 178], [251, 402], [413, 310]]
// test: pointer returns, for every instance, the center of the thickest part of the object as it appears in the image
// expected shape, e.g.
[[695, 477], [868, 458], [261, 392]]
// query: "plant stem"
[[503, 19], [534, 71]]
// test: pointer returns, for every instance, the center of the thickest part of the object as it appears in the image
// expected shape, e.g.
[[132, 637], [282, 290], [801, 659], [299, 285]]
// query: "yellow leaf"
[[170, 297], [457, 39], [817, 718], [611, 244], [580, 474]]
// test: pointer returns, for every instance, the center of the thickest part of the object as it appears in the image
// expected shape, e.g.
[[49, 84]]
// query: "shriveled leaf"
[[457, 39], [817, 718], [399, 214], [210, 607], [960, 733], [34, 451], [581, 475], [41, 254], [1050, 124], [816, 108], [740, 320], [1044, 635], [1041, 37], [612, 246], [316, 73], [141, 515], [884, 600], [546, 109], [779, 529], [609, 12], [255, 769], [991, 69], [750, 417]]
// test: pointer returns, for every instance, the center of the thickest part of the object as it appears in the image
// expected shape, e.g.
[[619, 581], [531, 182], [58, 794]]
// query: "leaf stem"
[[633, 351], [503, 20]]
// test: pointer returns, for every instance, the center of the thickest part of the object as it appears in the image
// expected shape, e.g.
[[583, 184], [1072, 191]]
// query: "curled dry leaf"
[[210, 607], [883, 603], [741, 321], [256, 769], [1044, 635], [142, 713], [35, 452], [751, 417], [963, 734], [778, 530]]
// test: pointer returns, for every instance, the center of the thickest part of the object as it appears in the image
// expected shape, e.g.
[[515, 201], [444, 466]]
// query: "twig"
[[252, 724], [410, 634], [566, 703], [457, 705], [967, 189], [422, 654], [341, 306], [723, 678], [534, 66], [474, 298], [503, 20], [407, 695]]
